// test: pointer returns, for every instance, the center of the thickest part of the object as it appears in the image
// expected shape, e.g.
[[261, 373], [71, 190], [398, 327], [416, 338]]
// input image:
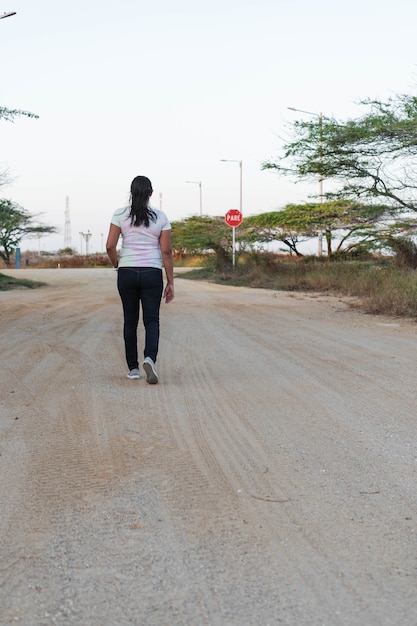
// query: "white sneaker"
[[149, 367], [134, 373]]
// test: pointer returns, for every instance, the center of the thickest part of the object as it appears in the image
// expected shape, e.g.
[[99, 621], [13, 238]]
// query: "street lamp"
[[198, 182], [86, 236], [39, 235], [240, 166], [320, 116], [3, 15]]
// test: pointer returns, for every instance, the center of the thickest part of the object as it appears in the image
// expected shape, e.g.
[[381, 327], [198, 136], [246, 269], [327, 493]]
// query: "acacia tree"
[[9, 115], [354, 223], [15, 224], [275, 226], [371, 158], [197, 235]]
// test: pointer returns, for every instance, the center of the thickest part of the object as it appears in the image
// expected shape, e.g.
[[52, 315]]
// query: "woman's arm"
[[166, 251], [112, 239]]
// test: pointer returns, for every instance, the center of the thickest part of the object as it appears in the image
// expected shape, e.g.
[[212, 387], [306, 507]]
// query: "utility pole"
[[86, 236], [199, 183], [320, 118], [67, 230]]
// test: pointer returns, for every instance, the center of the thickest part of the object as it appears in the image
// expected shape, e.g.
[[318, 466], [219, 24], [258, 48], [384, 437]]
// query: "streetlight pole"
[[86, 236], [241, 177], [39, 235], [198, 182], [87, 239], [3, 15], [320, 116]]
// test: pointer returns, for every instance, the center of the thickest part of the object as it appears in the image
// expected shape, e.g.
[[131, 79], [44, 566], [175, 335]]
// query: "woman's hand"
[[112, 239], [169, 293]]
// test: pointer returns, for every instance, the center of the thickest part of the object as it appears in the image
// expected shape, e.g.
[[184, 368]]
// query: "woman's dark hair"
[[140, 192]]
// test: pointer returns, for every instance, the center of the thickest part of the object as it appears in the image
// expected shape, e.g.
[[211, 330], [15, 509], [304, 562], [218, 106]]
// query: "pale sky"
[[168, 89]]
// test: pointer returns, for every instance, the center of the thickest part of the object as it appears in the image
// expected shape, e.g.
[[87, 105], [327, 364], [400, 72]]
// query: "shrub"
[[405, 252]]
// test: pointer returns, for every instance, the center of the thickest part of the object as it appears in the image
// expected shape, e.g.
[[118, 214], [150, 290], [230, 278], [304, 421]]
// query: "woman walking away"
[[146, 246]]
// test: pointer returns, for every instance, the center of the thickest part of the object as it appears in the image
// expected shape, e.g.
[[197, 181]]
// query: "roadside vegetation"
[[375, 286], [8, 282], [366, 216]]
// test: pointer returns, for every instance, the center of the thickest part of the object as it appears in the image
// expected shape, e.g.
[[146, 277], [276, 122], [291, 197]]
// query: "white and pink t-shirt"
[[140, 245]]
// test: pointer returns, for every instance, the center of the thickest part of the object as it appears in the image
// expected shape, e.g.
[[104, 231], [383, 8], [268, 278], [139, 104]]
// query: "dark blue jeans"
[[145, 285]]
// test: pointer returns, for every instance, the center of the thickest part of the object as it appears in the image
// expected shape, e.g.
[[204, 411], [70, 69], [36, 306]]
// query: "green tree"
[[15, 224], [371, 158], [355, 224], [9, 115], [198, 235], [275, 226]]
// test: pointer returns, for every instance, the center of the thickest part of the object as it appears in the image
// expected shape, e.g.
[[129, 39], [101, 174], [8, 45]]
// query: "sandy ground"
[[268, 479]]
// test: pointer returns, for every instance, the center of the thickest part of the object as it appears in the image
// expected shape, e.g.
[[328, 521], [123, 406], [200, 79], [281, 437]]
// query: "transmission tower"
[[67, 231]]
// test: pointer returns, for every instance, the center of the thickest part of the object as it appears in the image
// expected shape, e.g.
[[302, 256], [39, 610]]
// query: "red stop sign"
[[234, 217]]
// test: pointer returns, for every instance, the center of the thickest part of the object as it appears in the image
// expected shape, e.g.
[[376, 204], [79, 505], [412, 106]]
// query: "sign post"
[[233, 218]]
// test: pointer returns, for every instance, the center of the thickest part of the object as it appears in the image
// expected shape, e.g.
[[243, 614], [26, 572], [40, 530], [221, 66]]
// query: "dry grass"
[[378, 285]]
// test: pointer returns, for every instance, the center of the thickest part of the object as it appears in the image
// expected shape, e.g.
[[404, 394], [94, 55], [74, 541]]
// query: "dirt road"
[[270, 478]]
